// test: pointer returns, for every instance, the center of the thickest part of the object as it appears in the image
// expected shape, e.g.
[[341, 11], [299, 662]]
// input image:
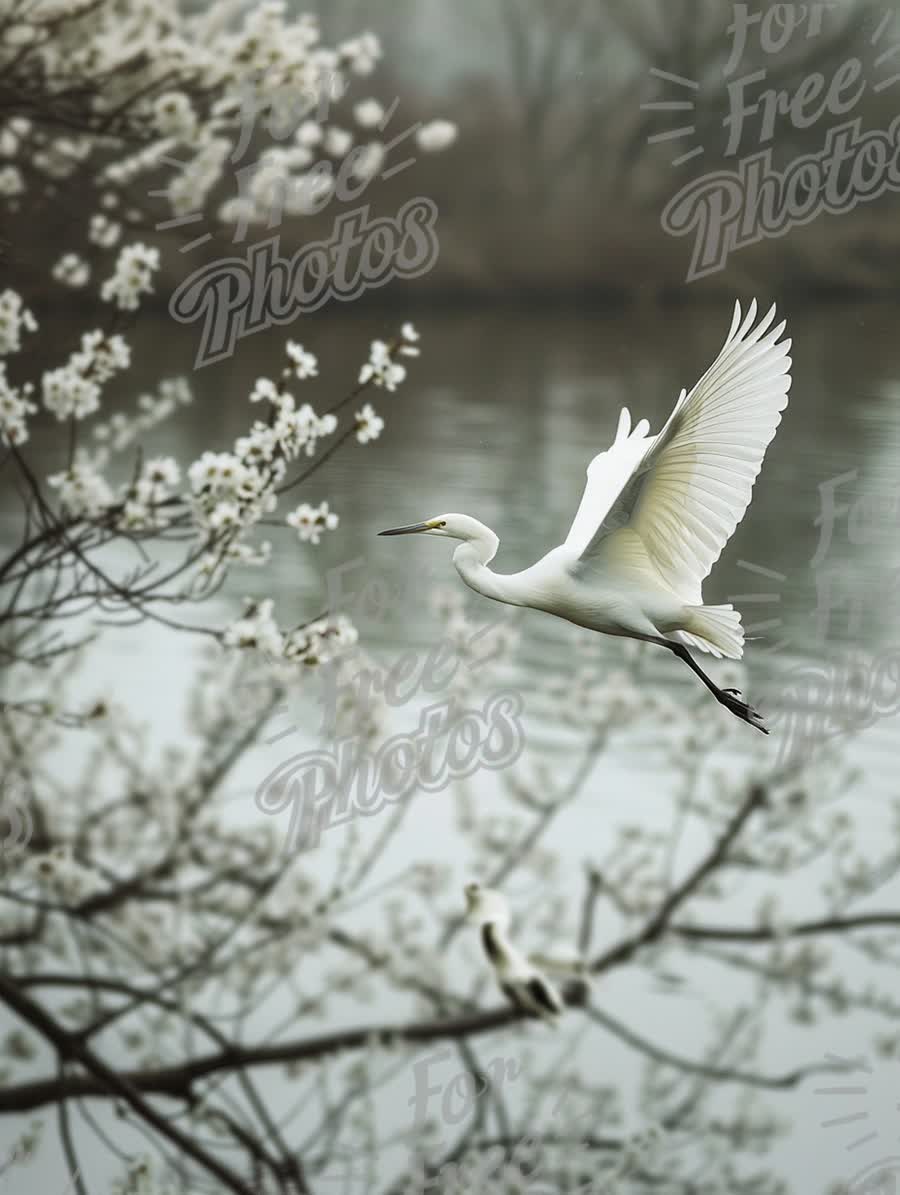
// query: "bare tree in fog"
[[694, 40], [563, 87]]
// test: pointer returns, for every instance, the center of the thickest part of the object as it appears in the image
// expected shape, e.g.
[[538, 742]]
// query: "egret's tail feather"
[[716, 629]]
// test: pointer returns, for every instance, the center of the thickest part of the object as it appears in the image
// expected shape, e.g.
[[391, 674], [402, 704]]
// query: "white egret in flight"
[[655, 514], [523, 984]]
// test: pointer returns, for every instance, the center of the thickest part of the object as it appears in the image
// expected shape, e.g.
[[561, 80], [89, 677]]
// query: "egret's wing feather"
[[545, 995], [534, 996], [695, 481], [607, 476]]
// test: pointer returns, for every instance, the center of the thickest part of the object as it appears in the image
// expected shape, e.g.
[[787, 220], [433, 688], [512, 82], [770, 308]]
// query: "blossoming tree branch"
[[190, 99]]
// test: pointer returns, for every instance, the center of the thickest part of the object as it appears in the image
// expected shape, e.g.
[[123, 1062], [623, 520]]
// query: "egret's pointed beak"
[[413, 527]]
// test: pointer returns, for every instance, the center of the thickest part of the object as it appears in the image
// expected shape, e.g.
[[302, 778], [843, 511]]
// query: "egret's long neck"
[[471, 559]]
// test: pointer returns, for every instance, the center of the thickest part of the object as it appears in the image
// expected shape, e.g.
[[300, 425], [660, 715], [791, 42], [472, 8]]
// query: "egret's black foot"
[[730, 699]]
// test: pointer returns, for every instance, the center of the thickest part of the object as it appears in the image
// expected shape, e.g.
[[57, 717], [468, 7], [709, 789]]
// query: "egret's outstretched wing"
[[607, 475], [694, 482]]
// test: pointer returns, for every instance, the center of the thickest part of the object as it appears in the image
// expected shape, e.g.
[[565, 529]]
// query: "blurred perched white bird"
[[655, 514], [526, 987]]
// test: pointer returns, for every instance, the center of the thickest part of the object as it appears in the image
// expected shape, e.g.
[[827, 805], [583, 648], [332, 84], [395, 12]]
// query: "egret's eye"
[[443, 523]]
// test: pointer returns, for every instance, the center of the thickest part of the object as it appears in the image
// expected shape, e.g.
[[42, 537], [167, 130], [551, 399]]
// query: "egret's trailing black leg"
[[727, 697]]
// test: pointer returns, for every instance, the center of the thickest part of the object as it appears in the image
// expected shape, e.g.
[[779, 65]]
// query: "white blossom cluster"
[[225, 495], [174, 116], [233, 490], [15, 406], [11, 182], [146, 497], [437, 135], [82, 489], [303, 363], [13, 135], [72, 270], [133, 276], [15, 401], [369, 424], [73, 390], [316, 643], [15, 318], [257, 92], [310, 521], [102, 231], [208, 90], [320, 641], [381, 368]]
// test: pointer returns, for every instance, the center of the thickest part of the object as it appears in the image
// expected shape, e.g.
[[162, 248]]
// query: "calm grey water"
[[499, 418]]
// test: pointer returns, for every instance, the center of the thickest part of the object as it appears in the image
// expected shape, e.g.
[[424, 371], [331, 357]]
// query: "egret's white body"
[[519, 978], [656, 513]]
